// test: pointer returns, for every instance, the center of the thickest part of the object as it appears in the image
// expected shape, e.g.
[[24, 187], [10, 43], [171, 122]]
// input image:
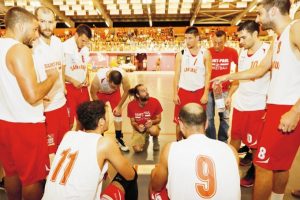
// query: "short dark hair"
[[250, 26], [84, 29], [220, 33], [17, 15], [115, 77], [192, 114], [89, 113], [192, 30], [135, 91], [283, 5]]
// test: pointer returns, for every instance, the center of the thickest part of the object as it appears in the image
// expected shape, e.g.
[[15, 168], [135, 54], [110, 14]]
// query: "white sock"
[[275, 196]]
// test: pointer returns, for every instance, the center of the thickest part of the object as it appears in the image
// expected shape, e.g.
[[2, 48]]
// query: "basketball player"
[[145, 115], [82, 160], [250, 95], [192, 75], [280, 136], [106, 87], [198, 167], [76, 73], [23, 148], [48, 52]]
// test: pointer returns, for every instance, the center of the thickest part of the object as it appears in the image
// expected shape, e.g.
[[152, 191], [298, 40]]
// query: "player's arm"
[[108, 148], [95, 88], [176, 99], [74, 82], [22, 67], [159, 175], [135, 125], [290, 119], [234, 85], [126, 87], [257, 72], [208, 68], [157, 119]]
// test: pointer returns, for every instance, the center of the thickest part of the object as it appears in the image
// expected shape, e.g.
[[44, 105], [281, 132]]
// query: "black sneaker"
[[2, 184], [247, 160], [243, 149], [122, 145]]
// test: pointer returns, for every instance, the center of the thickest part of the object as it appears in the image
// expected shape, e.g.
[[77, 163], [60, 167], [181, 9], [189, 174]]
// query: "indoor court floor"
[[160, 86]]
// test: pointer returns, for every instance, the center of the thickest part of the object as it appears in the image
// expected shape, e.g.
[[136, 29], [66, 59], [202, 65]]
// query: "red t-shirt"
[[221, 63], [142, 114]]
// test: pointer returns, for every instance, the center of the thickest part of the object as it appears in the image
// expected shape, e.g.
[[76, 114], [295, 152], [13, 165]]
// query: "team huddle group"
[[44, 94]]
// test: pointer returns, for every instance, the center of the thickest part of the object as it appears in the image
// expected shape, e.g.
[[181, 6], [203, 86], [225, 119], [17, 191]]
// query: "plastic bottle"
[[218, 95]]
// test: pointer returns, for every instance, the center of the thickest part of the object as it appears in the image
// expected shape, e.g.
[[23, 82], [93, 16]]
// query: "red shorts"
[[113, 98], [186, 97], [23, 151], [161, 195], [112, 192], [247, 126], [277, 150], [75, 97], [57, 124]]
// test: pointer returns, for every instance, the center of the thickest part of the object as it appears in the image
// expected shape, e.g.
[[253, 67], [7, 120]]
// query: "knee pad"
[[117, 119], [130, 187]]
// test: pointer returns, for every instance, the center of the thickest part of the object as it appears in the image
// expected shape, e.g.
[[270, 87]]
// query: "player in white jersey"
[[280, 137], [82, 160], [197, 167], [48, 52], [249, 102], [76, 72], [106, 87], [23, 151], [192, 75]]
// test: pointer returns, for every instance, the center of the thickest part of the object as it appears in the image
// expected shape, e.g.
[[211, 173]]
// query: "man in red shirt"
[[222, 57], [145, 115]]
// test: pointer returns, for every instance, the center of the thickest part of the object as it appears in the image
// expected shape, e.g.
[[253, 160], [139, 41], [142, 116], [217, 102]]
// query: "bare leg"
[[280, 181], [34, 191], [178, 133], [263, 183], [13, 187], [235, 143]]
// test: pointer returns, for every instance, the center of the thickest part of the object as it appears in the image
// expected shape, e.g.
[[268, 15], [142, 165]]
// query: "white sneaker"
[[122, 145]]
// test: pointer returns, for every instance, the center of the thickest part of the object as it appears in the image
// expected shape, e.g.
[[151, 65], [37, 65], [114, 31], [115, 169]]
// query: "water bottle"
[[218, 95]]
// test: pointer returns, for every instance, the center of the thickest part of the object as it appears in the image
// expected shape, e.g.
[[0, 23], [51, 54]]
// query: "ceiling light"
[[63, 7], [69, 12], [241, 4], [21, 3], [137, 6], [208, 1], [29, 8], [76, 7], [223, 5], [206, 5], [135, 1], [86, 2], [186, 5], [184, 11], [173, 6], [188, 1], [111, 7], [172, 11], [81, 12], [71, 2], [122, 1], [114, 12], [138, 12], [9, 2], [88, 7], [126, 12], [173, 1], [35, 3], [124, 7], [160, 6], [147, 1], [228, 0], [93, 12], [108, 1], [160, 1], [160, 11]]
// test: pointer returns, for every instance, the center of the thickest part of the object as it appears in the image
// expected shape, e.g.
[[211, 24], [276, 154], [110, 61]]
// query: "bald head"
[[192, 114]]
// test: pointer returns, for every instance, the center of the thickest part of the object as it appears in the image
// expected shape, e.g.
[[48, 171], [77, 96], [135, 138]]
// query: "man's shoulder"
[[230, 49]]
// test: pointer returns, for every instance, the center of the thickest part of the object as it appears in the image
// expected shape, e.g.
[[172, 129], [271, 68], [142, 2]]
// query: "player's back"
[[75, 173], [202, 168]]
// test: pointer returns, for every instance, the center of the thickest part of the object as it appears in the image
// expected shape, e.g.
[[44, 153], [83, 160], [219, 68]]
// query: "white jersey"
[[76, 60], [202, 168], [47, 57], [103, 79], [285, 82], [13, 106], [75, 173], [192, 70], [251, 95]]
